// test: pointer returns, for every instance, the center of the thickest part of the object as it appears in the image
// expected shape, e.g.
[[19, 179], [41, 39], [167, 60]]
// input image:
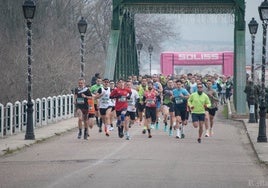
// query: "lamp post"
[[263, 11], [28, 11], [253, 27], [139, 47], [82, 27], [150, 49]]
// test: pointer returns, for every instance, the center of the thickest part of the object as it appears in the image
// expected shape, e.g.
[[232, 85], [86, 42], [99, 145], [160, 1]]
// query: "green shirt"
[[198, 102]]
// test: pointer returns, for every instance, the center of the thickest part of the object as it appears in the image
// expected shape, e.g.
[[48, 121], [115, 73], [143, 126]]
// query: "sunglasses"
[[199, 87]]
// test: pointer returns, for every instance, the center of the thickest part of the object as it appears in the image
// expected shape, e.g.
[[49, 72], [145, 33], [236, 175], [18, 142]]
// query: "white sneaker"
[[207, 133], [210, 132], [178, 135], [111, 128]]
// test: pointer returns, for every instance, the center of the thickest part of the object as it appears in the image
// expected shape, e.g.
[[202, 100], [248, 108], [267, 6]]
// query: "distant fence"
[[13, 117]]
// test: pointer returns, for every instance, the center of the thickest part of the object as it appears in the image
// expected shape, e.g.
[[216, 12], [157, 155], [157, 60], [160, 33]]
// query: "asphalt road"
[[225, 160]]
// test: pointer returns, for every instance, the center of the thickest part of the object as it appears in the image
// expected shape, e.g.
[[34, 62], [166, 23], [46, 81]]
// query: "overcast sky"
[[218, 26]]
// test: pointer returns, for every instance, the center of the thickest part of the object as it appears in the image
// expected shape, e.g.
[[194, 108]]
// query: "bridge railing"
[[13, 117]]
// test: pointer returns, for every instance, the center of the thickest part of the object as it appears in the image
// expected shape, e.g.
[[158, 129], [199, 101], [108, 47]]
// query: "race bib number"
[[178, 100], [150, 101], [122, 99], [105, 100], [80, 100]]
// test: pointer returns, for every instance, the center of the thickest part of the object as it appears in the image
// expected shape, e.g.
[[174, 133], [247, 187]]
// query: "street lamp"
[[139, 47], [263, 11], [253, 27], [28, 11], [150, 49], [82, 27]]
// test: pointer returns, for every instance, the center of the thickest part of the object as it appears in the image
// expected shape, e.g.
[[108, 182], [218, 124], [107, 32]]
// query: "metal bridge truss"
[[122, 60]]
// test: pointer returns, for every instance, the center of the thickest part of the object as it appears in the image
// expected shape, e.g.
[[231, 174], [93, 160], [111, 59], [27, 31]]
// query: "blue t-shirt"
[[178, 99]]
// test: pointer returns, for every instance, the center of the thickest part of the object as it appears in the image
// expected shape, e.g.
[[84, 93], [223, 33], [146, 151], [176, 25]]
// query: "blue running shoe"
[[170, 132], [165, 128], [156, 126]]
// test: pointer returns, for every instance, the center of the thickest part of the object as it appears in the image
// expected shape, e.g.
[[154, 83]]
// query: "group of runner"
[[144, 100]]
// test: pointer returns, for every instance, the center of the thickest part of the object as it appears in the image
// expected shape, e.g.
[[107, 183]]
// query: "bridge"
[[122, 57]]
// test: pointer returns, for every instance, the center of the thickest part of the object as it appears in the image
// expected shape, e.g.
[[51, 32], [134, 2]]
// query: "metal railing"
[[13, 117]]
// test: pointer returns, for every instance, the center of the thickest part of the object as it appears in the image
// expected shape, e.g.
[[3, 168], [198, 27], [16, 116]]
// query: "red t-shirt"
[[121, 95], [150, 98]]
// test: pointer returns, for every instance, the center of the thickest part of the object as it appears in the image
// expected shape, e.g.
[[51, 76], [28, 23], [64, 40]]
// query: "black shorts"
[[103, 110], [150, 112], [118, 113], [91, 115], [198, 117], [132, 115], [140, 107], [181, 111], [212, 111], [170, 106]]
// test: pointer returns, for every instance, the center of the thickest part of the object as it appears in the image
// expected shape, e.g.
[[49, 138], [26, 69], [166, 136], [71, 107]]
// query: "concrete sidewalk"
[[260, 148], [16, 142]]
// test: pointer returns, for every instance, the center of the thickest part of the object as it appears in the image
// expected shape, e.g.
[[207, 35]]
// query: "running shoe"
[[85, 136], [143, 131], [199, 140], [170, 133], [207, 133], [178, 131], [127, 137], [100, 129], [165, 128], [149, 136], [210, 132], [79, 135], [157, 126], [152, 126], [111, 128], [182, 135]]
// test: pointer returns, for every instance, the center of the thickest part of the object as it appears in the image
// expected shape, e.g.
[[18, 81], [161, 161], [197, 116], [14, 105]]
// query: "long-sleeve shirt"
[[121, 95], [198, 102]]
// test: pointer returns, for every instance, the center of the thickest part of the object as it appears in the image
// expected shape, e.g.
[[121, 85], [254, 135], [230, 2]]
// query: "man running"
[[131, 109], [150, 99], [198, 102], [210, 111], [81, 96], [121, 94], [105, 105], [180, 96]]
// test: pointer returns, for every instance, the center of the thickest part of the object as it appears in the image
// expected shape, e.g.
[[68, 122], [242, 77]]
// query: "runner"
[[94, 89], [81, 96], [210, 111], [158, 87], [180, 96], [150, 97], [105, 104], [198, 102], [141, 106], [121, 94], [168, 106], [131, 109]]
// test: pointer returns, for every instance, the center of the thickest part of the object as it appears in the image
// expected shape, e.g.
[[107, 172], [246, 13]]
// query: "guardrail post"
[[54, 109], [24, 115], [1, 120], [38, 112], [17, 116], [9, 119], [59, 101], [44, 111], [49, 110]]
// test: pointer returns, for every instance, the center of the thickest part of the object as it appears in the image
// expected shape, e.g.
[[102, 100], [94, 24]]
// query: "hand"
[[205, 106], [192, 107]]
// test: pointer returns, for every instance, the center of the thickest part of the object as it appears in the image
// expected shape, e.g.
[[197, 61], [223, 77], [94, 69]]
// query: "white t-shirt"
[[132, 101]]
